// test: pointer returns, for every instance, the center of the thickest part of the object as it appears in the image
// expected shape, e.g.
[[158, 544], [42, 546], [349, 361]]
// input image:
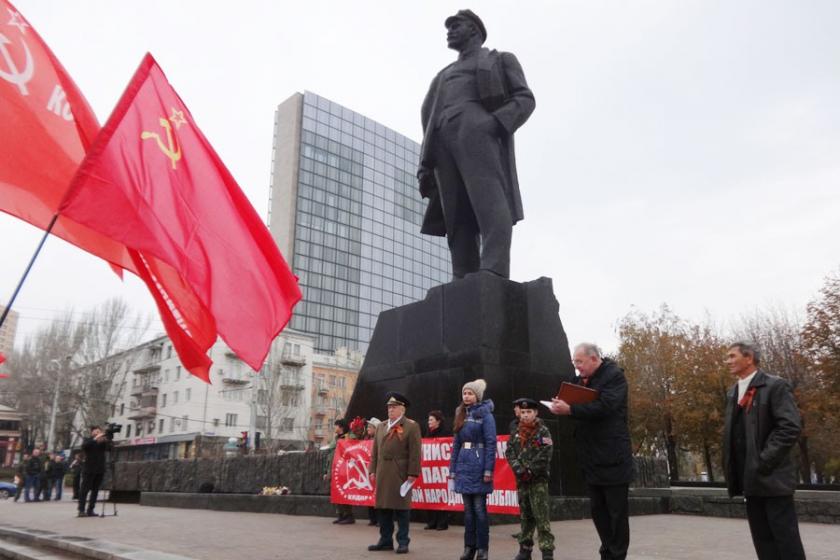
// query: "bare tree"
[[279, 398], [80, 356], [778, 333]]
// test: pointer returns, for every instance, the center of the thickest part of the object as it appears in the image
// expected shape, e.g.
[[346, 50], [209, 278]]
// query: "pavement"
[[217, 535]]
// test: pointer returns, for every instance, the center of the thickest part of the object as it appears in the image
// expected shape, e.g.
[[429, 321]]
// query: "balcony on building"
[[144, 413], [323, 389], [292, 382], [292, 359], [234, 379]]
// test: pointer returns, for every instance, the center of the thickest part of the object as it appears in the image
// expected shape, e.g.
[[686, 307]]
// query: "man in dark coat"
[[20, 475], [467, 168], [762, 426], [602, 439], [395, 459], [93, 471], [34, 467], [76, 470]]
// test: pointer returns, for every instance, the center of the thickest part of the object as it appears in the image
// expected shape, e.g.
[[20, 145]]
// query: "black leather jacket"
[[773, 426]]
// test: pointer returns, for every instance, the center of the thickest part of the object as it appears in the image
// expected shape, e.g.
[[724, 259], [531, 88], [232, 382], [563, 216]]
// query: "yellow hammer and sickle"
[[173, 150]]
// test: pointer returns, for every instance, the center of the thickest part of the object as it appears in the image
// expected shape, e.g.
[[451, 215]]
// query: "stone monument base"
[[482, 326]]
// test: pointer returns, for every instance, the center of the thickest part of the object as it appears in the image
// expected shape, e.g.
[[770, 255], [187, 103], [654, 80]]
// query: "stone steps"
[[20, 543]]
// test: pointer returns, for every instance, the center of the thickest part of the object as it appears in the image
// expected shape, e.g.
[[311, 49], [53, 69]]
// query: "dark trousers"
[[345, 511], [31, 482], [476, 522], [774, 528], [438, 519], [471, 182], [386, 526], [46, 486], [372, 515], [90, 485], [610, 511], [77, 485], [57, 488]]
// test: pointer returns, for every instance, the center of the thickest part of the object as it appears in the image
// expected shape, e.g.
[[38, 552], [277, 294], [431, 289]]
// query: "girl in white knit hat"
[[472, 464]]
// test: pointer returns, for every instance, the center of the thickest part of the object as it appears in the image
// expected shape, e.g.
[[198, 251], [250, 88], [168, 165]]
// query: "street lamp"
[[55, 365]]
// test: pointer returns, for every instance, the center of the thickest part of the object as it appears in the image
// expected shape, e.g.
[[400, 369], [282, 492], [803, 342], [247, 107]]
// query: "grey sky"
[[681, 152]]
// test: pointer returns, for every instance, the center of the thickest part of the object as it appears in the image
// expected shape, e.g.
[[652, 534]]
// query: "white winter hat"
[[478, 386]]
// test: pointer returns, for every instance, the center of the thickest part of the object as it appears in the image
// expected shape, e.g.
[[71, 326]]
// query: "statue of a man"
[[467, 168]]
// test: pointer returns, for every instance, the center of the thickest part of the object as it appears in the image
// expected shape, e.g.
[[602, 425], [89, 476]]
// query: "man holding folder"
[[602, 438]]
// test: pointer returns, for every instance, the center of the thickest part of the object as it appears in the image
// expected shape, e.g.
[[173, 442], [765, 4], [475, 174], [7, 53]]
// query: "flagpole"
[[26, 272]]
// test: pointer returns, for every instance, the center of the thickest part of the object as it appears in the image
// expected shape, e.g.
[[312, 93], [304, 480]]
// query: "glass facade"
[[357, 243]]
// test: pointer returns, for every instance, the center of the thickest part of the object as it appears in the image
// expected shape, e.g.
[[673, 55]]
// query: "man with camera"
[[93, 470]]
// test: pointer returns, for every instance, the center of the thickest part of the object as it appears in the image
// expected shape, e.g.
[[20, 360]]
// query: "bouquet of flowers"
[[274, 491]]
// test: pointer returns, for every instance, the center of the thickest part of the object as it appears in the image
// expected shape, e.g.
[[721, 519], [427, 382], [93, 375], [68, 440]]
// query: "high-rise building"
[[8, 332], [346, 213]]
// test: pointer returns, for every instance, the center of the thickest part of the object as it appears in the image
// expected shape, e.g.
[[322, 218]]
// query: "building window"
[[215, 422], [288, 424], [160, 427], [151, 426], [187, 395], [166, 376], [177, 373], [185, 422], [139, 430], [175, 397], [163, 402], [169, 351], [171, 425], [122, 409], [128, 431], [230, 419]]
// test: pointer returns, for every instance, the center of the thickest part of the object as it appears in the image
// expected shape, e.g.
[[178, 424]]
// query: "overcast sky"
[[681, 152]]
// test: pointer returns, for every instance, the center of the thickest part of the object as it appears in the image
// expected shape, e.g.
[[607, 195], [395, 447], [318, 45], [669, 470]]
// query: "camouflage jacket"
[[531, 462]]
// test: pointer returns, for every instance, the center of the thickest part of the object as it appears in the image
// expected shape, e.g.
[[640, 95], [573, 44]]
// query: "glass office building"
[[346, 213]]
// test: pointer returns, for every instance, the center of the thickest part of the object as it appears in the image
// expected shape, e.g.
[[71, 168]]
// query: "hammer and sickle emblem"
[[15, 76], [173, 150]]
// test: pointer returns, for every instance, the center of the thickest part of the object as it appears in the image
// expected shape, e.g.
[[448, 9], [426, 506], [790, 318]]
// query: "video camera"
[[111, 429]]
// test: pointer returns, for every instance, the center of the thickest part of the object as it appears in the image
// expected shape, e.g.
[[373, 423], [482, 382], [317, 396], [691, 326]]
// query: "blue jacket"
[[470, 465]]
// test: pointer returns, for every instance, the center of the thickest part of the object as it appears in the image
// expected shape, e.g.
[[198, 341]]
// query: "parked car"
[[7, 490]]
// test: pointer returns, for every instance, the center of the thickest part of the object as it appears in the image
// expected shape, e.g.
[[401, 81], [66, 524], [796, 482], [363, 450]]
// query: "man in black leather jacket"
[[762, 426], [602, 439], [93, 470]]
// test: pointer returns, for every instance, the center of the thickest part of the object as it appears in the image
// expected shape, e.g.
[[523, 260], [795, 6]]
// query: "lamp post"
[[57, 366]]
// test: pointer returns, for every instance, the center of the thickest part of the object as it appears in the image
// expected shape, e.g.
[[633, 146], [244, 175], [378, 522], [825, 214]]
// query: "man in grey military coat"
[[467, 167]]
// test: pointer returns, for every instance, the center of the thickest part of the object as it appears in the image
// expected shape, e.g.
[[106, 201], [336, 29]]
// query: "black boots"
[[524, 553], [469, 553], [481, 554]]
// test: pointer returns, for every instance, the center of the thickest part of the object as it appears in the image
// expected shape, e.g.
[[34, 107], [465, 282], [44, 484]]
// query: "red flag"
[[45, 127], [152, 181]]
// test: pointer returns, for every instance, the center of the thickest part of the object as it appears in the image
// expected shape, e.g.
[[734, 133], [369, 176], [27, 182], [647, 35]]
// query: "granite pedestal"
[[482, 326]]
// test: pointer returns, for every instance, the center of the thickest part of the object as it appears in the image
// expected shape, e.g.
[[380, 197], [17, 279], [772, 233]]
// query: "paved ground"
[[213, 535]]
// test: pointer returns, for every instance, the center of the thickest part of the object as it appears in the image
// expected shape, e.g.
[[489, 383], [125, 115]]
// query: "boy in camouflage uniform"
[[529, 454]]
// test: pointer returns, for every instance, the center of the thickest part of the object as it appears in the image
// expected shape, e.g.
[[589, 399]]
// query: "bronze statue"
[[467, 167]]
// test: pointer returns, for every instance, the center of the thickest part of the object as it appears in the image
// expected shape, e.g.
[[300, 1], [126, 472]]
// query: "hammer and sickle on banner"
[[15, 76], [173, 149]]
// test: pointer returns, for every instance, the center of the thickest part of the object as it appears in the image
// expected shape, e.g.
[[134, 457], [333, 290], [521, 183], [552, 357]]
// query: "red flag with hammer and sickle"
[[153, 182], [46, 126]]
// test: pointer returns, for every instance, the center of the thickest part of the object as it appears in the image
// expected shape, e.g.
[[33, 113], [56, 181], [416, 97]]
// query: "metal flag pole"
[[26, 272]]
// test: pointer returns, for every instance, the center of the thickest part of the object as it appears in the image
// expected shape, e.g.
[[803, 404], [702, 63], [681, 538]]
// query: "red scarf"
[[747, 400], [526, 432]]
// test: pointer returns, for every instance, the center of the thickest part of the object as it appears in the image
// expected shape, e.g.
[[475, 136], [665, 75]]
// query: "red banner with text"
[[351, 483]]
